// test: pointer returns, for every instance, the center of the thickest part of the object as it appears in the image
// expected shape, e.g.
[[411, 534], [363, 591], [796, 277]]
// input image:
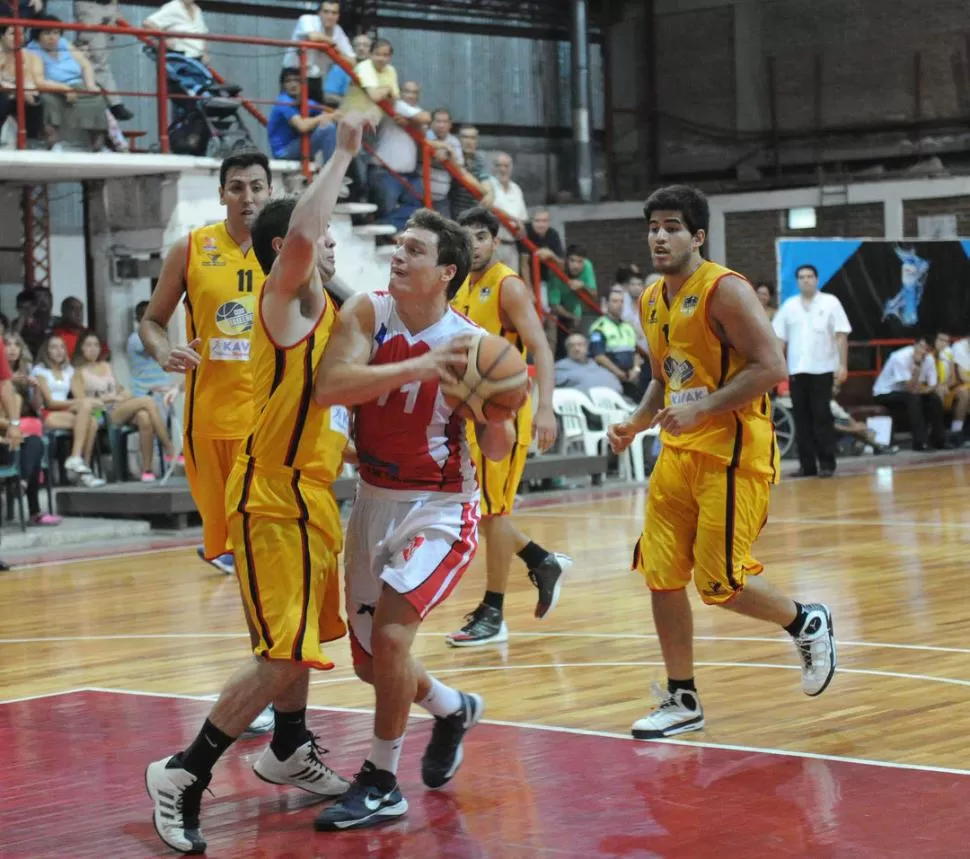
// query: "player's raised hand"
[[620, 436], [183, 358], [350, 132]]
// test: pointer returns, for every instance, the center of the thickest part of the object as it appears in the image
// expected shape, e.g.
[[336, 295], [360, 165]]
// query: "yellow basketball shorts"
[[700, 516], [499, 481], [290, 587], [208, 462]]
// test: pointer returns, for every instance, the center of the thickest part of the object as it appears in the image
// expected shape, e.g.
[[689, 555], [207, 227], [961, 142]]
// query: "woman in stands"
[[54, 375], [72, 117], [766, 295], [32, 69], [95, 378], [32, 447]]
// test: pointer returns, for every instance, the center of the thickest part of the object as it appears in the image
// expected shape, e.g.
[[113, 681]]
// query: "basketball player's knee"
[[390, 643]]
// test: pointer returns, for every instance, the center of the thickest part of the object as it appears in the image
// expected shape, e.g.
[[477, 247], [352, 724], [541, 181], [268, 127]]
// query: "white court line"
[[585, 732], [603, 636], [40, 695]]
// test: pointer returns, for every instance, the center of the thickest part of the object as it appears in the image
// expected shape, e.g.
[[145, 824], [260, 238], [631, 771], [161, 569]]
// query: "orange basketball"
[[495, 382]]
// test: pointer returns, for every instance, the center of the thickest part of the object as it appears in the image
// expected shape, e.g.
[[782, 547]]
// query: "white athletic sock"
[[441, 700], [385, 754], [956, 426]]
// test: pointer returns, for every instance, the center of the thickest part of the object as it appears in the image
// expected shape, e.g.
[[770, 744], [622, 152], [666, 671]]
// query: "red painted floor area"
[[72, 786]]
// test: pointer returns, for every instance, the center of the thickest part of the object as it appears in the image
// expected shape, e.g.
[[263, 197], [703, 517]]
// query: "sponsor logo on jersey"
[[689, 304], [688, 395], [412, 547], [228, 349], [235, 317], [340, 420], [485, 293], [678, 373], [214, 259]]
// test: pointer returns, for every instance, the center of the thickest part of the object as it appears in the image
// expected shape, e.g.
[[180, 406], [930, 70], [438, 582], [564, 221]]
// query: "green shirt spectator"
[[564, 299]]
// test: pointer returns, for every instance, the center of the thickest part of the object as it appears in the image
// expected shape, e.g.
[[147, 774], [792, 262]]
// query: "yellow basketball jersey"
[[696, 363], [222, 285], [295, 450], [481, 302]]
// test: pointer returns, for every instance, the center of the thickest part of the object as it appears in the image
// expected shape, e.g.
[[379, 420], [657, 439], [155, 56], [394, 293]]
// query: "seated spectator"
[[953, 388], [613, 345], [70, 116], [378, 82], [337, 81], [508, 198], [630, 278], [96, 379], [475, 174], [286, 127], [148, 379], [31, 429], [847, 425], [577, 371], [33, 71], [54, 376], [181, 16], [33, 319], [322, 27], [70, 325], [766, 295], [907, 385], [446, 148]]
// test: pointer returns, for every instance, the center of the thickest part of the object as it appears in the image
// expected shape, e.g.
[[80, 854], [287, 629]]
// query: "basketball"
[[494, 383]]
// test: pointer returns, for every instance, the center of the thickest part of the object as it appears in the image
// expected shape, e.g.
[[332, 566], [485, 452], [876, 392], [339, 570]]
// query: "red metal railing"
[[878, 345]]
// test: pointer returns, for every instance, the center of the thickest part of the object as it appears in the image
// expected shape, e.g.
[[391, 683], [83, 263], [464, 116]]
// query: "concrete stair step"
[[73, 531]]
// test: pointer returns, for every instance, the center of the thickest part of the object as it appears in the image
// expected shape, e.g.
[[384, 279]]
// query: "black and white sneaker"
[[485, 625], [815, 645], [304, 769], [262, 724], [373, 798], [547, 577], [177, 795], [445, 750], [676, 713]]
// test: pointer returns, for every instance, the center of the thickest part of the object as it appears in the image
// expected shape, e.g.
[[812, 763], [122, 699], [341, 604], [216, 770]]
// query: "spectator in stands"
[[337, 81], [95, 378], [564, 299], [399, 151], [97, 45], [953, 390], [71, 118], [613, 345], [815, 330], [907, 385], [378, 82], [4, 324], [286, 127], [508, 198], [766, 295], [148, 379], [32, 321], [631, 280], [54, 377], [33, 71], [25, 8], [577, 371], [31, 428], [324, 28], [446, 148], [70, 326], [181, 16], [475, 174], [550, 249]]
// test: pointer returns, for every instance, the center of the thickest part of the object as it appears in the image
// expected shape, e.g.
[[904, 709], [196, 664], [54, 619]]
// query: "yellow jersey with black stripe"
[[295, 450], [222, 284], [695, 363], [481, 302]]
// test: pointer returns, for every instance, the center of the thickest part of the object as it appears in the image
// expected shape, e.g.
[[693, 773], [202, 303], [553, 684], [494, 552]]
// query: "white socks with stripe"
[[385, 754], [441, 700]]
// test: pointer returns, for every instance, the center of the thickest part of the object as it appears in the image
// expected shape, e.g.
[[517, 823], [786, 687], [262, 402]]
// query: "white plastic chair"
[[618, 409], [569, 404]]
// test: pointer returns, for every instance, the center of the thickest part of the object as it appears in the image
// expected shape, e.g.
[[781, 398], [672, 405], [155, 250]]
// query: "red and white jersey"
[[411, 439]]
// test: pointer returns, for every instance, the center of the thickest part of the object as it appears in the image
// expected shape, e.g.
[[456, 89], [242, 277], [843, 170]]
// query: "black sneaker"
[[445, 751], [373, 798], [547, 577], [121, 113], [177, 795], [484, 626]]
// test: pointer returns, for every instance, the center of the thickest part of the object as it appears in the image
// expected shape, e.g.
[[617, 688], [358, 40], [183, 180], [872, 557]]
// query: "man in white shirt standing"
[[322, 27], [510, 200], [907, 384], [181, 16], [815, 330]]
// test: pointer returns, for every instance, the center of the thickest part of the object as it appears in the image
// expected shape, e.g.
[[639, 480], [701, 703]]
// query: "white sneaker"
[[262, 724], [304, 769], [90, 481], [677, 713], [177, 795], [815, 645]]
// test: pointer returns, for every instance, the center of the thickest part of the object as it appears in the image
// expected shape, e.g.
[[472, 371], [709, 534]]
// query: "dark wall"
[[611, 244]]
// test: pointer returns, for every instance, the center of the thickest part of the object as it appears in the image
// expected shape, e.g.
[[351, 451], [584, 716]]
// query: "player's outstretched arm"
[[312, 214], [165, 298], [519, 306], [345, 378]]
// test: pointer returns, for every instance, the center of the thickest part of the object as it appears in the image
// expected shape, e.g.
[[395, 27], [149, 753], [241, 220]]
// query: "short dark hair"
[[769, 286], [51, 22], [26, 296], [454, 247], [71, 301], [691, 203], [479, 216], [140, 309], [381, 43], [329, 3], [271, 223], [809, 266], [575, 250], [242, 160], [438, 110], [289, 72], [626, 273]]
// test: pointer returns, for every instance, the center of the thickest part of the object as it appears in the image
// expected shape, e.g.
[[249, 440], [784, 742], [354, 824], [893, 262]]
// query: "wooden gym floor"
[[107, 664]]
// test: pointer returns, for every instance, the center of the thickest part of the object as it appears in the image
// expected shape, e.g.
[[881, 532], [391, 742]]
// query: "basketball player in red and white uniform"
[[414, 527]]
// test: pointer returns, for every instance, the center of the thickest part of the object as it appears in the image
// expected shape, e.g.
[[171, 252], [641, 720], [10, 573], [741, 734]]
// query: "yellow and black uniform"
[[482, 303], [708, 496], [283, 519], [948, 373], [222, 285]]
